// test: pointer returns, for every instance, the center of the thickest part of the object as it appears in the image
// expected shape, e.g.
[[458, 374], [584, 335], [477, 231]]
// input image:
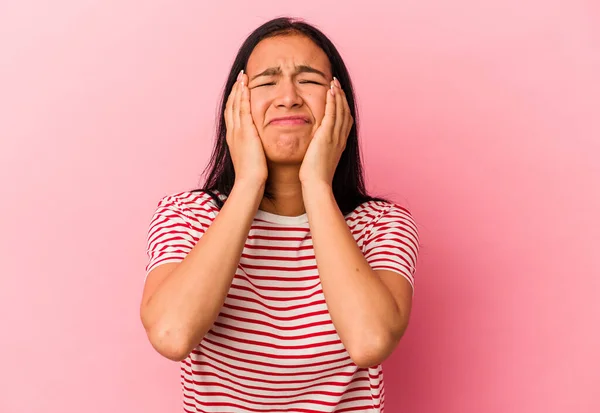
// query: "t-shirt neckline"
[[281, 219]]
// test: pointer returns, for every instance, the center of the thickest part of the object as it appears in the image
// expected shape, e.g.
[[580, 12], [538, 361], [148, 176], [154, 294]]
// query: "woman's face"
[[289, 76]]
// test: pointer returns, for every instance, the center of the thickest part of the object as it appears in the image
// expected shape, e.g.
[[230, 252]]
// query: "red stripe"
[[286, 278], [276, 327], [276, 356], [278, 247], [201, 364], [270, 307], [271, 410], [386, 248], [388, 261], [274, 317], [354, 380], [271, 238], [278, 258], [290, 367], [166, 242], [270, 298], [290, 402], [269, 288], [277, 288], [273, 373], [288, 393], [278, 268], [276, 336], [274, 228], [394, 241], [404, 221]]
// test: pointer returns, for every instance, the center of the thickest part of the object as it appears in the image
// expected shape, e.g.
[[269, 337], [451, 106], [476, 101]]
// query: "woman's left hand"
[[329, 141]]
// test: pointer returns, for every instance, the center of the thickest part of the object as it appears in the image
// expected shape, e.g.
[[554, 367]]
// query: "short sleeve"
[[393, 243], [175, 228]]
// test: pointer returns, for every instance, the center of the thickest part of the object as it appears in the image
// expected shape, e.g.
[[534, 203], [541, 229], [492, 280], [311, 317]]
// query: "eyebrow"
[[273, 71]]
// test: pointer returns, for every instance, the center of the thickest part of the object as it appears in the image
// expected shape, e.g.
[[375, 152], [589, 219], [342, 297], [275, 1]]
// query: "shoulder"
[[378, 221], [192, 205], [376, 212]]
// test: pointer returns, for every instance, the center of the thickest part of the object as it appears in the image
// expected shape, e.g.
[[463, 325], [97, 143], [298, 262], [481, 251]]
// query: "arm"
[[181, 301], [369, 309]]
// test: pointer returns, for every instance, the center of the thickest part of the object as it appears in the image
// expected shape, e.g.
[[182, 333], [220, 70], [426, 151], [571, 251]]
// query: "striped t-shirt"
[[273, 347]]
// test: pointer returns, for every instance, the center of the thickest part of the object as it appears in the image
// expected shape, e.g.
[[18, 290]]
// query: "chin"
[[286, 148], [287, 160]]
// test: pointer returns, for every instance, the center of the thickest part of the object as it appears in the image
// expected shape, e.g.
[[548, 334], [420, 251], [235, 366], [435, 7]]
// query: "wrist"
[[250, 186], [316, 185], [316, 193]]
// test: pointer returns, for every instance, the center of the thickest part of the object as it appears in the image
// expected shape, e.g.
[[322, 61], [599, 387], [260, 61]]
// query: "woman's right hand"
[[245, 146]]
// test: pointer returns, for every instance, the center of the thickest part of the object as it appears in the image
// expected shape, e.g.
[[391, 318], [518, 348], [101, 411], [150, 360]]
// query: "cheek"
[[257, 109], [316, 102]]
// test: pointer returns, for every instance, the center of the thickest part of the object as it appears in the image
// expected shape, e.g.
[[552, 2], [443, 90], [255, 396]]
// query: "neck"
[[284, 186]]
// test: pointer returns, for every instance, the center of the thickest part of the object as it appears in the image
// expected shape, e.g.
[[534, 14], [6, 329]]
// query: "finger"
[[229, 109], [339, 114], [245, 113], [328, 121], [237, 100]]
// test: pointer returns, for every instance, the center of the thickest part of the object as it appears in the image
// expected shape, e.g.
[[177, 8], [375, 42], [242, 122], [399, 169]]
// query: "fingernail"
[[240, 74], [332, 91], [337, 82]]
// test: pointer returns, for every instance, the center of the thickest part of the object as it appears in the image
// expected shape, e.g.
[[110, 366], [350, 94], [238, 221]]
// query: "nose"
[[287, 94]]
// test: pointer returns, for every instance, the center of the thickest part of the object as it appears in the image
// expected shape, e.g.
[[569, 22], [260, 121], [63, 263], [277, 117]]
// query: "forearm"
[[362, 309], [185, 305]]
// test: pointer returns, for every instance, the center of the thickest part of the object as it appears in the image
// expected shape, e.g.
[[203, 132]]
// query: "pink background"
[[482, 117]]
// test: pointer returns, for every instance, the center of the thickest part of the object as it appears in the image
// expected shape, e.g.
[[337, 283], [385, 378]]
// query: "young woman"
[[281, 286]]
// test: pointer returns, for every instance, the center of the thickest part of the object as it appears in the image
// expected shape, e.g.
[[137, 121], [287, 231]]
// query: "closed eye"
[[301, 82]]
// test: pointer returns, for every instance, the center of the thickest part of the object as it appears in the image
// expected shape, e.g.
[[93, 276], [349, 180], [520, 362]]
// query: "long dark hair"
[[348, 181]]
